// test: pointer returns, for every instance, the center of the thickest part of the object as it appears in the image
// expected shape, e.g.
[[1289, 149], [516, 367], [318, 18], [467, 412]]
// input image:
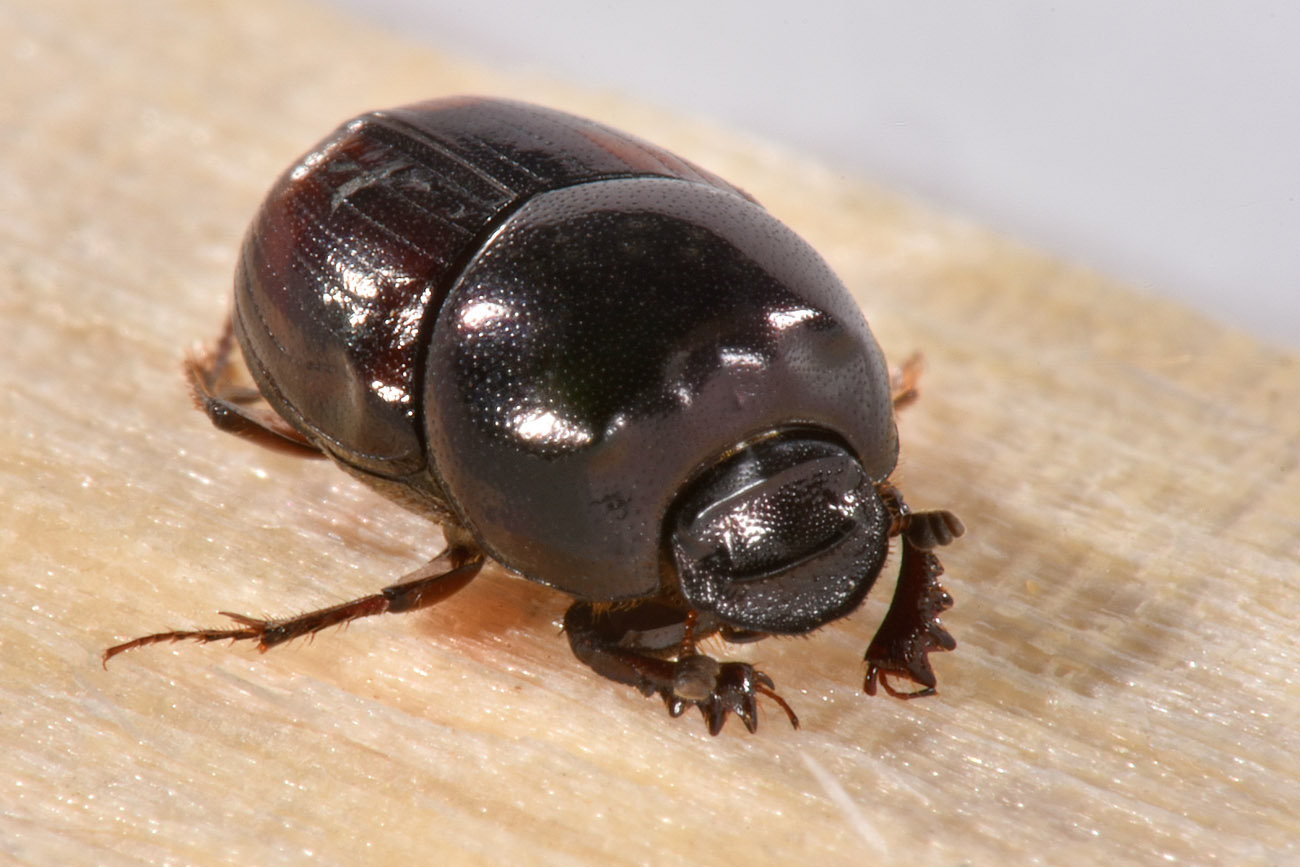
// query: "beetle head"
[[781, 535]]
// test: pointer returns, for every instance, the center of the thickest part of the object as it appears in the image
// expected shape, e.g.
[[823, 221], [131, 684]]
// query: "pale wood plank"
[[1125, 689]]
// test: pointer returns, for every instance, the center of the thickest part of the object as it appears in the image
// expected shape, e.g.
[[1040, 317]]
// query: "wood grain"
[[1125, 688]]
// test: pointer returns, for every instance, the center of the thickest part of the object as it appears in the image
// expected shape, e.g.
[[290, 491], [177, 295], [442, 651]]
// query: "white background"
[[1155, 140]]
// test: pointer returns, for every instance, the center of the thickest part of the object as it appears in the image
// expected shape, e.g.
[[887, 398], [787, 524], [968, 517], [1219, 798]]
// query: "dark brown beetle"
[[603, 367]]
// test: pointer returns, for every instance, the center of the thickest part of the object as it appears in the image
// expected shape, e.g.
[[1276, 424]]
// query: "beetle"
[[595, 363]]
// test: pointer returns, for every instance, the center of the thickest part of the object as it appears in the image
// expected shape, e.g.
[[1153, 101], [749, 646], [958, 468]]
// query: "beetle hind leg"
[[431, 583], [651, 646], [232, 408]]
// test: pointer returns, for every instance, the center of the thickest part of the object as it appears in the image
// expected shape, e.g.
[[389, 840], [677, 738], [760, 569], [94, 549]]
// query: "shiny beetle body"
[[601, 366]]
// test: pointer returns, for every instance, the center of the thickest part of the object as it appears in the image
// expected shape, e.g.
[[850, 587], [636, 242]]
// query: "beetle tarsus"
[[738, 687], [617, 645], [927, 530], [911, 629], [431, 583], [734, 689], [202, 636]]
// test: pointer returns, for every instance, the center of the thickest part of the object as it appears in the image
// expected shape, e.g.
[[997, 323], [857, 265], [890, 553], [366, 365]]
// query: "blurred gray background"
[[1157, 141]]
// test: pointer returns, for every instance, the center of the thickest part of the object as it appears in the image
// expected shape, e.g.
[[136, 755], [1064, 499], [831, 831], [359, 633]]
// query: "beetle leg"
[[226, 404], [429, 584], [630, 645], [903, 382], [926, 530], [911, 629]]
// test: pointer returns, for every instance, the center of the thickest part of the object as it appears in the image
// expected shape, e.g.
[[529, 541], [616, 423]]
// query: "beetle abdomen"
[[356, 244]]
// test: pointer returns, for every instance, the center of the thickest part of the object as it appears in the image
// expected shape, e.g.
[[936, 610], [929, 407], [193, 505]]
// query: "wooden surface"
[[1125, 689]]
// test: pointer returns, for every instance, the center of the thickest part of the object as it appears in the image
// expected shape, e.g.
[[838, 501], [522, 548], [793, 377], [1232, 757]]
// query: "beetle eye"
[[782, 536]]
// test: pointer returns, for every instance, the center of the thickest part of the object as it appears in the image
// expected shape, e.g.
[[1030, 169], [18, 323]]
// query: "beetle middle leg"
[[904, 383], [430, 584], [651, 646], [232, 409]]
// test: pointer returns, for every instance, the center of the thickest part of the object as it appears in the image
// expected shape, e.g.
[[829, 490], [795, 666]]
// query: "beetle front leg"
[[431, 583], [632, 646], [911, 628]]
